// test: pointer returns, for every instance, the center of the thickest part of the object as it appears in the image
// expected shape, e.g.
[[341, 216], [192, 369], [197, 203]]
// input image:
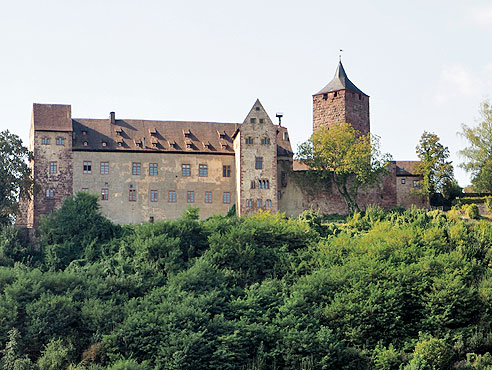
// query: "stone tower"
[[341, 101], [52, 167], [255, 145]]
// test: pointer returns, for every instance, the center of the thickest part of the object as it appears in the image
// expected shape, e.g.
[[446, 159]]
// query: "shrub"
[[471, 211]]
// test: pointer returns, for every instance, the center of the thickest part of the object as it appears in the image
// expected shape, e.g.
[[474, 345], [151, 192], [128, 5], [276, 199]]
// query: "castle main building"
[[146, 170]]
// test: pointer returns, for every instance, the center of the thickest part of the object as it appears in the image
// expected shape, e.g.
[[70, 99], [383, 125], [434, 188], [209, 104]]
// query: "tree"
[[436, 170], [15, 175], [478, 155], [350, 160]]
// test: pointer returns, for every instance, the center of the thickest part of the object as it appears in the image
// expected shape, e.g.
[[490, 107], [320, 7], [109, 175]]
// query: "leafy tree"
[[478, 155], [15, 175], [55, 356], [436, 170], [13, 359], [74, 231], [341, 155]]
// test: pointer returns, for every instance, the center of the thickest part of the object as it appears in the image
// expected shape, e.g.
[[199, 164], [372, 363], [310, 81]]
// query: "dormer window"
[[222, 135], [85, 143], [120, 143], [189, 145], [187, 133], [207, 145], [138, 143], [104, 144], [118, 131], [153, 132], [223, 145], [84, 133], [154, 144], [173, 144]]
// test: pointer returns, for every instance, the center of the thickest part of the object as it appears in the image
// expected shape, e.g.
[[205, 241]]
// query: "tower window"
[[265, 141], [268, 203], [203, 170], [226, 171], [152, 169], [227, 197], [262, 120], [402, 181], [259, 163], [335, 93], [136, 167], [132, 195], [185, 170], [257, 108], [50, 193], [360, 97], [325, 96], [53, 168], [87, 167]]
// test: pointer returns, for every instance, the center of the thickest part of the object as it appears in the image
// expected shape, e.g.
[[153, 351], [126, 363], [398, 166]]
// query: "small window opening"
[[325, 96]]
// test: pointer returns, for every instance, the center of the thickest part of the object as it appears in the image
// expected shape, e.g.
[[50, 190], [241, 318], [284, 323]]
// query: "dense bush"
[[382, 290]]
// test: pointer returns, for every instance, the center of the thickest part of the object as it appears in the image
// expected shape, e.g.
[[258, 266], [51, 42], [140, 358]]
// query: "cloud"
[[482, 15]]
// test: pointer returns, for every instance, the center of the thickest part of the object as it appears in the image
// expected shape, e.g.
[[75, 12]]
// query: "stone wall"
[[120, 180], [257, 139], [341, 106]]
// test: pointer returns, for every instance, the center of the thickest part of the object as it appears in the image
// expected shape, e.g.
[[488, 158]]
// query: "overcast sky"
[[426, 65]]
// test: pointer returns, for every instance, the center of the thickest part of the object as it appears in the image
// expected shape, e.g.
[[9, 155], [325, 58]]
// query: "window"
[[152, 169], [151, 219], [226, 171], [415, 183], [248, 203], [257, 108], [84, 133], [227, 197], [252, 120], [45, 141], [186, 170], [259, 163], [268, 203], [263, 184], [262, 120], [132, 195], [104, 168], [325, 96], [104, 194], [335, 94], [87, 167], [360, 97], [286, 136], [203, 170], [60, 141], [136, 168], [50, 193], [172, 196], [85, 143], [249, 140], [190, 197], [84, 189], [402, 181], [208, 197], [154, 196], [259, 203], [53, 168], [103, 143], [253, 184], [279, 194], [265, 140]]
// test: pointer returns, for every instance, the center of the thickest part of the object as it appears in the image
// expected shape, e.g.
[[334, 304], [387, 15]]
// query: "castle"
[[145, 170]]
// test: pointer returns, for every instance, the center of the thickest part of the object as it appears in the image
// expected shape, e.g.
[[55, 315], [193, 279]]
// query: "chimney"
[[112, 118]]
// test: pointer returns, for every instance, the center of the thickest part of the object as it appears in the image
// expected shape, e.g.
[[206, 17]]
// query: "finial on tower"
[[340, 55]]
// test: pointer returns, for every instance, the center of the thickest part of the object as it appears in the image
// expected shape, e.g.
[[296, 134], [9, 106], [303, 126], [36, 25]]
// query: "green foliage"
[[341, 155], [436, 170], [380, 290], [471, 211], [55, 356], [15, 175], [478, 154], [75, 231]]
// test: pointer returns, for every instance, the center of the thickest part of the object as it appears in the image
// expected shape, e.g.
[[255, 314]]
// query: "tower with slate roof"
[[341, 101]]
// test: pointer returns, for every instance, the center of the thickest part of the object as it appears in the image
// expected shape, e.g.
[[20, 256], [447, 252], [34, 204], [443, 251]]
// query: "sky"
[[426, 65]]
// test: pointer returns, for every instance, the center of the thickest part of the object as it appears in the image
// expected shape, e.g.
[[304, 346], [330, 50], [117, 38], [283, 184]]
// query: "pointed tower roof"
[[340, 82]]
